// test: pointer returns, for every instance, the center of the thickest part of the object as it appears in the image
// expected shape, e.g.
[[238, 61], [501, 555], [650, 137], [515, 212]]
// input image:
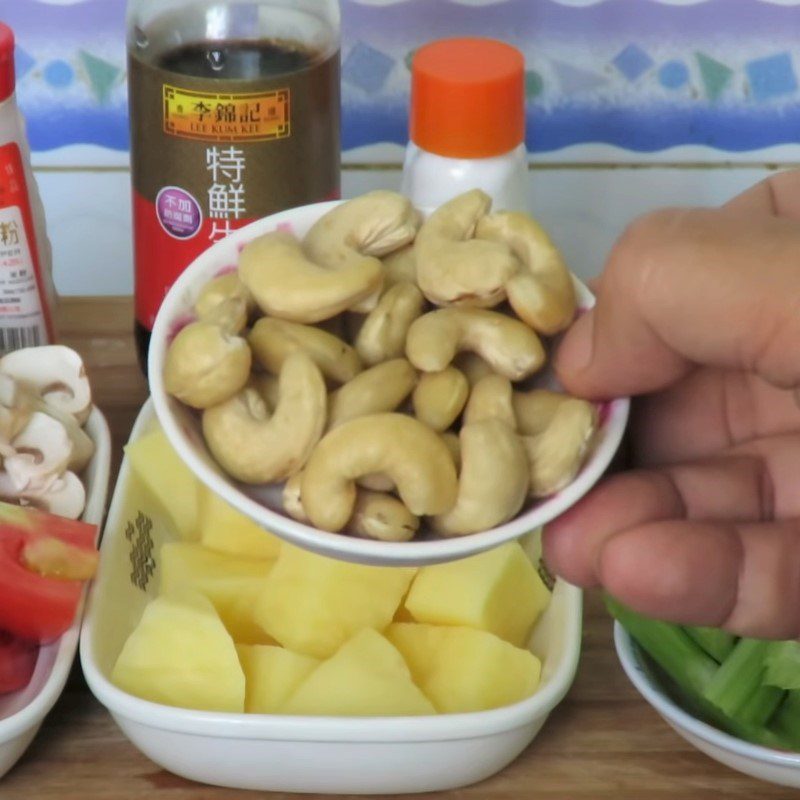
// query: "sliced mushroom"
[[56, 373], [43, 451], [64, 495]]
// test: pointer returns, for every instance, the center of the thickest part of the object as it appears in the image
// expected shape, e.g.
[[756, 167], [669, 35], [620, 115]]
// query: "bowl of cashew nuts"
[[370, 381]]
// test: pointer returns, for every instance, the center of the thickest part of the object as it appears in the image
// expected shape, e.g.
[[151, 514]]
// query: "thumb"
[[690, 287]]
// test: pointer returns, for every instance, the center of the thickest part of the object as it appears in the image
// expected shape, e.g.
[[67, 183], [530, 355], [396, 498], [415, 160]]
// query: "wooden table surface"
[[602, 742]]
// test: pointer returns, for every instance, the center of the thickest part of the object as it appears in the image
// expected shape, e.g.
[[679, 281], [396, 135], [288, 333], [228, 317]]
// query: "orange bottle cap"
[[468, 98]]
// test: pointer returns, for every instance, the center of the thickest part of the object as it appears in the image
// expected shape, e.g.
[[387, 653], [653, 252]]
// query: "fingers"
[[730, 489], [778, 195], [690, 287], [743, 577], [707, 412]]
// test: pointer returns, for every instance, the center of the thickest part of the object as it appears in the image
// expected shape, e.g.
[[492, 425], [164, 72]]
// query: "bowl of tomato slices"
[[45, 562]]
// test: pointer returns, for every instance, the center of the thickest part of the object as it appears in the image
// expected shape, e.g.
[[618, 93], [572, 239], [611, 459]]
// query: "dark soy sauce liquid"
[[239, 60]]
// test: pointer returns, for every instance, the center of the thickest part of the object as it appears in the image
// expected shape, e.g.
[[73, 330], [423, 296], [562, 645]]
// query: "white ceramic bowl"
[[22, 713], [329, 755], [775, 766], [182, 427]]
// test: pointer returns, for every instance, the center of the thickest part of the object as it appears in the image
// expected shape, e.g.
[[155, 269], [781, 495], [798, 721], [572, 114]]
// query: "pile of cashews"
[[378, 368]]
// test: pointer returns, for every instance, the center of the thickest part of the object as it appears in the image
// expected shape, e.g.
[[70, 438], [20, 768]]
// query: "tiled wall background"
[[632, 104]]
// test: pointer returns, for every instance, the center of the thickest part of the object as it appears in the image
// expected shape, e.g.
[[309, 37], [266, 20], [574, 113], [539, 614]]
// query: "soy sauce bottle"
[[234, 115]]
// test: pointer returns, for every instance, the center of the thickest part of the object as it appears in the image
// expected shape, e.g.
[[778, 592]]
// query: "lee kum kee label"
[[209, 156], [227, 117]]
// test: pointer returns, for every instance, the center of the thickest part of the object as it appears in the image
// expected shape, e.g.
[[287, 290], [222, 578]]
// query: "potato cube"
[[498, 591], [227, 530], [181, 655], [231, 583], [313, 605], [464, 669], [170, 482], [366, 678], [271, 675]]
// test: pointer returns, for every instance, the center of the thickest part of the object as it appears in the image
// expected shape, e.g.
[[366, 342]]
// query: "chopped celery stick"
[[782, 665], [761, 705], [669, 646], [786, 722], [738, 677], [717, 643]]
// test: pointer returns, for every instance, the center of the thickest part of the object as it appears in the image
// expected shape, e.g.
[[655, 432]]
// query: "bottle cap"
[[7, 79], [468, 98]]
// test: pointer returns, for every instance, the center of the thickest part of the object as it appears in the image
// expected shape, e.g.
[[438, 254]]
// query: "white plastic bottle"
[[27, 294], [467, 124]]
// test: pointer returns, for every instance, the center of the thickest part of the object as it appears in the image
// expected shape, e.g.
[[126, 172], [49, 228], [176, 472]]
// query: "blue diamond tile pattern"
[[367, 68], [23, 62], [771, 77], [633, 62]]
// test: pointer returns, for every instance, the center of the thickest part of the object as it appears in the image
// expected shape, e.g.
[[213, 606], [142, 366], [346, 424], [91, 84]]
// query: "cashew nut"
[[268, 386], [542, 293], [274, 340], [453, 268], [534, 410], [255, 448], [375, 482], [440, 397], [509, 346], [491, 398], [292, 498], [410, 453], [383, 334], [377, 390], [493, 483], [286, 284], [382, 517], [556, 454], [400, 267], [230, 315], [225, 299], [370, 226], [205, 365], [473, 367], [454, 446], [374, 224]]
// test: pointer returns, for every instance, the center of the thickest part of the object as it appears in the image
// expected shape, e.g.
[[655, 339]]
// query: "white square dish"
[[380, 755], [22, 713]]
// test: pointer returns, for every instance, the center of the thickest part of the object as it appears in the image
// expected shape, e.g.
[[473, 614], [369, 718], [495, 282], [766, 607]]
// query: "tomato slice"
[[43, 562], [17, 662]]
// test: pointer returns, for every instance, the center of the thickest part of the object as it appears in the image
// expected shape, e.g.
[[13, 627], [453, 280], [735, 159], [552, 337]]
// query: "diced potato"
[[313, 605], [366, 678], [231, 583], [168, 480], [181, 655], [227, 530], [271, 675], [464, 669], [499, 591]]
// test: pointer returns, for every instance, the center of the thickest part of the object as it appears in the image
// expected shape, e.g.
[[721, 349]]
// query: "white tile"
[[89, 225], [585, 210]]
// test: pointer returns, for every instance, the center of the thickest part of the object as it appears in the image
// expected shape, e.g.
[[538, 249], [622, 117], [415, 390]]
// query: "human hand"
[[698, 314]]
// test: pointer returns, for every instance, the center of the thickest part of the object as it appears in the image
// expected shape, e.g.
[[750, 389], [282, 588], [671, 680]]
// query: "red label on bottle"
[[25, 319], [166, 246]]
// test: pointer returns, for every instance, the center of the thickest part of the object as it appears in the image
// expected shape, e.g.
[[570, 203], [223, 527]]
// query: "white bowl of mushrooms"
[[370, 381], [56, 450]]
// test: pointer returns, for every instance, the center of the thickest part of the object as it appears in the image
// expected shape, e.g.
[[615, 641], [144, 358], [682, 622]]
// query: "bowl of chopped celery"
[[736, 700]]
